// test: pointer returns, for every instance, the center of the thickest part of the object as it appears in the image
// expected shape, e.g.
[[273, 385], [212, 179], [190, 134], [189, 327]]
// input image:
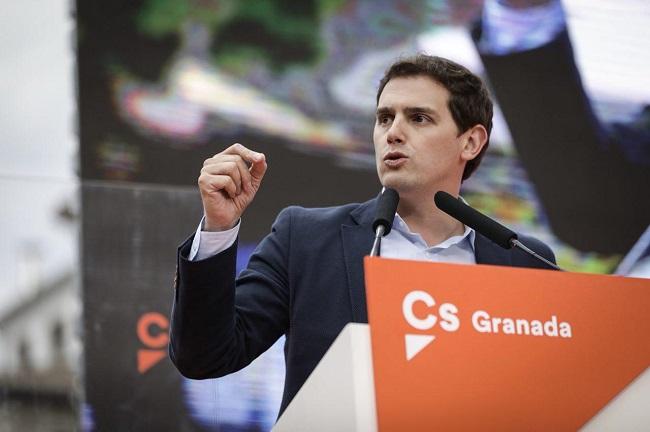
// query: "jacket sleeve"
[[221, 324]]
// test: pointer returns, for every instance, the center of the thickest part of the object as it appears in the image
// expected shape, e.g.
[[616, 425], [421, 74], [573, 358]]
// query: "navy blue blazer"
[[305, 280]]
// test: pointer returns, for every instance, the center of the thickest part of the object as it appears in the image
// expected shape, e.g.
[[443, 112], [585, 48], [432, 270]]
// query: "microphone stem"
[[516, 243], [377, 243]]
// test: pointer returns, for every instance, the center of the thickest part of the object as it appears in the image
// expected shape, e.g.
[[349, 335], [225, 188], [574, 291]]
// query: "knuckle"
[[242, 162], [226, 167], [205, 174], [232, 168]]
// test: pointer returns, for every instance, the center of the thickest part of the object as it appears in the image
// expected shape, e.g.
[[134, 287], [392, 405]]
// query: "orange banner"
[[459, 347]]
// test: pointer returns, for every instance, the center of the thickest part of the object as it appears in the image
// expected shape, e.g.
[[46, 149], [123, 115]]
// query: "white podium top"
[[339, 395]]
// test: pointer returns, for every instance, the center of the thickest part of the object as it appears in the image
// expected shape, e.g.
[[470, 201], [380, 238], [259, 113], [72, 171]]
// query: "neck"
[[423, 217]]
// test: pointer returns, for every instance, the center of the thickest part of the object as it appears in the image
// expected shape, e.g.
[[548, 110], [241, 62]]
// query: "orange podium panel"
[[459, 347]]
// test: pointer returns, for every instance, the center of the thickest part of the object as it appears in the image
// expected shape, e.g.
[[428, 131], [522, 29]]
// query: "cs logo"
[[152, 332], [446, 318]]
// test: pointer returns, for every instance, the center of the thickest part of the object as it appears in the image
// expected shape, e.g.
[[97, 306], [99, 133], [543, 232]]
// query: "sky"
[[38, 145]]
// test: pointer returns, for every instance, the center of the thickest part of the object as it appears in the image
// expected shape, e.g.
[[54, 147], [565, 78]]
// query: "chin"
[[399, 183]]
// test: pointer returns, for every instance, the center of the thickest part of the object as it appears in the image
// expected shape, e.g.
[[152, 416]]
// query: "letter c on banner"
[[407, 310], [144, 325]]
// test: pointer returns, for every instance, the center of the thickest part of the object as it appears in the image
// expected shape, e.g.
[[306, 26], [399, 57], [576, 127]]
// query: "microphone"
[[467, 215], [493, 230], [386, 208]]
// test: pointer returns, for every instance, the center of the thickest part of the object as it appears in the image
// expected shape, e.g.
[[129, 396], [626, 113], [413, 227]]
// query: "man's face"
[[417, 146]]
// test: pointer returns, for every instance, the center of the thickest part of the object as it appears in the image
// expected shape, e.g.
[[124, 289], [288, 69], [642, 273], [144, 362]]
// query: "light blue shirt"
[[402, 243]]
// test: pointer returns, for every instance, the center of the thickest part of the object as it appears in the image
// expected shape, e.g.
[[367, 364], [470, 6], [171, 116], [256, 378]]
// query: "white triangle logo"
[[416, 343]]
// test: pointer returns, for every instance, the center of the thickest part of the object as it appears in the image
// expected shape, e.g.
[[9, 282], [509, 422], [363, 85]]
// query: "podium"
[[456, 347]]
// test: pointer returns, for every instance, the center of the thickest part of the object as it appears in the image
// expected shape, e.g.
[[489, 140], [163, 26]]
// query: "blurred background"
[[110, 107]]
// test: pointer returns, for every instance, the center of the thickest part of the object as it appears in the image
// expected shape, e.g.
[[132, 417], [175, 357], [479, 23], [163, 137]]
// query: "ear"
[[474, 140]]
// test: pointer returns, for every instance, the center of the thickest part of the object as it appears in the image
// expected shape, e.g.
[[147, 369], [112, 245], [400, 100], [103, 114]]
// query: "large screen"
[[165, 84]]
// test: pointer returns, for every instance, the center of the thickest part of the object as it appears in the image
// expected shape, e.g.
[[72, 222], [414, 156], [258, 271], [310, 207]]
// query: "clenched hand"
[[228, 183]]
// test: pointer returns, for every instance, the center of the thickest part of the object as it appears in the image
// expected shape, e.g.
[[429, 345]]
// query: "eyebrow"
[[409, 111], [383, 111]]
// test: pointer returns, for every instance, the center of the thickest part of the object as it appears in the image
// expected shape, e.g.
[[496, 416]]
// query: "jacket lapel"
[[357, 240]]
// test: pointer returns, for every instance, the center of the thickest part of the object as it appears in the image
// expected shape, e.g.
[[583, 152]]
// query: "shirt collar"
[[400, 226]]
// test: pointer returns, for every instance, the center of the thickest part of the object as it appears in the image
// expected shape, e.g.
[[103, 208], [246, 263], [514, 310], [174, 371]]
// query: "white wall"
[[34, 327]]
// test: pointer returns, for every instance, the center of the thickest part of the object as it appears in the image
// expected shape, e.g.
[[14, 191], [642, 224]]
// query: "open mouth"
[[395, 159]]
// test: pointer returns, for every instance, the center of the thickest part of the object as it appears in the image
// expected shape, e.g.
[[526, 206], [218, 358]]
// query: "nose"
[[395, 134]]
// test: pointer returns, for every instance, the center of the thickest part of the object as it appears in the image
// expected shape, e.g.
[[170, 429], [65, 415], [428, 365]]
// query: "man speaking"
[[305, 279]]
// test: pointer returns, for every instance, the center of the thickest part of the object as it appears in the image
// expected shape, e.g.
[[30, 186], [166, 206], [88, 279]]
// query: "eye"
[[383, 119], [420, 118]]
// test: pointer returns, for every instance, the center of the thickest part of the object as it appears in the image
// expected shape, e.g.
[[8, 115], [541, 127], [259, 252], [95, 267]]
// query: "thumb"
[[258, 169]]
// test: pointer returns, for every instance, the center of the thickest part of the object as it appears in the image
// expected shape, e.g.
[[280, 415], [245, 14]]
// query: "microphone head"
[[386, 208], [460, 211]]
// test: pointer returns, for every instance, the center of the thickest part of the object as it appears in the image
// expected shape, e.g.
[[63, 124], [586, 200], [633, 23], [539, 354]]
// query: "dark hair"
[[469, 101]]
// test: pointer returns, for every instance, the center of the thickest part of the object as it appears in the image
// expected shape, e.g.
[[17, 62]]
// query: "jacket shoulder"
[[318, 216], [538, 246]]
